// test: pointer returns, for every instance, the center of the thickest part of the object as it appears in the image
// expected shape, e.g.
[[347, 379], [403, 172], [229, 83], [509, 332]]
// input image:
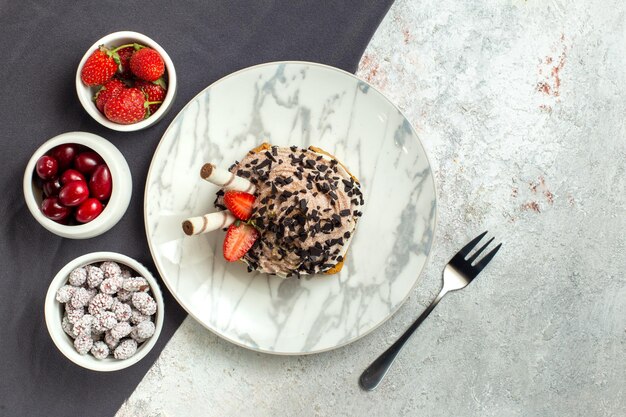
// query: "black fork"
[[457, 274]]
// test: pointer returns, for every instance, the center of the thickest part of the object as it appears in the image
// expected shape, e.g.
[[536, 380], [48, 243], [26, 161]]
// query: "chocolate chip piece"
[[270, 156], [315, 251], [263, 164]]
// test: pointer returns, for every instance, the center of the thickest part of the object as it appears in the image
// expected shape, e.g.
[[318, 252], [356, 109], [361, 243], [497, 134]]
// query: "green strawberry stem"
[[147, 106], [161, 83], [123, 46], [252, 223]]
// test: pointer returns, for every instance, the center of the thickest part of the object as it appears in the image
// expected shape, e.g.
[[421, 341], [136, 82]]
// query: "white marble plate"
[[293, 103]]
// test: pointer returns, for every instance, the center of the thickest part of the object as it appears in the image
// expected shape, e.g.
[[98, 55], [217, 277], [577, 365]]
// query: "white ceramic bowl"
[[120, 194], [54, 313], [86, 94]]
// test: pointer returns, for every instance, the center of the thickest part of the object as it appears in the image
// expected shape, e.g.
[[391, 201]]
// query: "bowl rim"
[[120, 194], [52, 308], [85, 95]]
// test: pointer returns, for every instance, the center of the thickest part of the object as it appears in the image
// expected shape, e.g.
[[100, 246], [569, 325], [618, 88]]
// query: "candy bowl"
[[128, 40], [104, 311], [96, 179]]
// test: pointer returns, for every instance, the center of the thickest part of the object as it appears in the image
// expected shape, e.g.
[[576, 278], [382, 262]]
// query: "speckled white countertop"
[[522, 108]]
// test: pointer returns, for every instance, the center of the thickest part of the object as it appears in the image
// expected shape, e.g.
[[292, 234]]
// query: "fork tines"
[[463, 253]]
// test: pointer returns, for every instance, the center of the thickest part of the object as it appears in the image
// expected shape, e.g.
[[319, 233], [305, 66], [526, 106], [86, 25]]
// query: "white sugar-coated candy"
[[100, 350], [92, 293], [78, 276], [99, 303], [121, 330], [111, 285], [124, 295], [136, 284], [65, 293], [83, 325], [126, 273], [137, 317], [121, 310], [67, 326], [74, 315], [145, 329], [135, 336], [80, 298], [110, 269], [111, 341], [144, 303], [94, 276], [125, 349], [105, 320], [68, 307], [83, 343]]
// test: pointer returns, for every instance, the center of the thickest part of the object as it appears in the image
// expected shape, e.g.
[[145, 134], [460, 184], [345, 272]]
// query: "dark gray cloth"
[[41, 44]]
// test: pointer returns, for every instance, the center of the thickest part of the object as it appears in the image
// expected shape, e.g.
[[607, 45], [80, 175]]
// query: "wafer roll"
[[208, 222], [226, 179]]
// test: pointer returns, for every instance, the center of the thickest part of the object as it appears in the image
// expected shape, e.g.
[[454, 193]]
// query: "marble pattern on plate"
[[293, 104]]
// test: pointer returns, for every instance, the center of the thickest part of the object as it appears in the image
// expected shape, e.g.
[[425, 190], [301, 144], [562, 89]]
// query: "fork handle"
[[371, 377]]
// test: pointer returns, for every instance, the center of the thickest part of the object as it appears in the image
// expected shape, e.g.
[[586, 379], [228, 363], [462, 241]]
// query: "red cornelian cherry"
[[65, 154], [54, 210], [87, 162], [100, 184], [71, 175], [88, 210], [51, 188], [47, 167], [74, 193]]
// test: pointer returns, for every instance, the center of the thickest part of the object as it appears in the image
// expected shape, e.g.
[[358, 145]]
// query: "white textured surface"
[[521, 106]]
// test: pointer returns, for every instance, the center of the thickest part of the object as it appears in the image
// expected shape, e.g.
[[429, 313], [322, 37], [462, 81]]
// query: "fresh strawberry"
[[127, 107], [147, 64], [125, 53], [99, 67], [107, 91], [155, 91], [239, 203], [239, 239]]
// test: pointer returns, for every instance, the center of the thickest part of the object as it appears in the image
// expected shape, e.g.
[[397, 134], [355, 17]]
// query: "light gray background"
[[522, 108]]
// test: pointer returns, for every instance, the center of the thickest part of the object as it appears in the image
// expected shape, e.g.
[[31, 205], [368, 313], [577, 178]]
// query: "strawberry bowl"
[[112, 204], [105, 70]]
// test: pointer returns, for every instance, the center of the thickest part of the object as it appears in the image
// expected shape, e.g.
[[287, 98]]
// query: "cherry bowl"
[[86, 93], [121, 190], [53, 311]]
